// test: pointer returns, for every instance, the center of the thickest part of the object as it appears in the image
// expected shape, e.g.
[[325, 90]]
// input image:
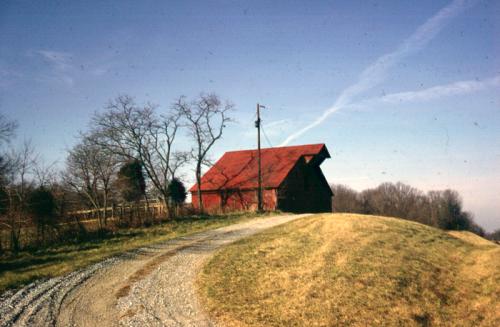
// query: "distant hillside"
[[347, 269]]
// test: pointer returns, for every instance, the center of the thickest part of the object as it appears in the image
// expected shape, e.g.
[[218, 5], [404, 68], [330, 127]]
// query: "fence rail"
[[155, 208]]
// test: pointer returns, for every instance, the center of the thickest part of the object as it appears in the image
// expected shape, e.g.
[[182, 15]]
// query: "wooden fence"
[[90, 219], [152, 209]]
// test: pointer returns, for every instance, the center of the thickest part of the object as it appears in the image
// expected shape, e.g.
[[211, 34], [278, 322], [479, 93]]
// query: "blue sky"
[[408, 91]]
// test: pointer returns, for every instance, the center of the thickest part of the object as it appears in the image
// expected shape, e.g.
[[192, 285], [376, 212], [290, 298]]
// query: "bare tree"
[[396, 200], [495, 235], [89, 171], [206, 119], [7, 129], [45, 173], [346, 199], [22, 162], [138, 133]]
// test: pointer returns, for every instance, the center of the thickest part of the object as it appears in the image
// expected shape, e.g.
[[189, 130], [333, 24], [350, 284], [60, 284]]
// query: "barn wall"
[[235, 200], [305, 190], [210, 200], [247, 200]]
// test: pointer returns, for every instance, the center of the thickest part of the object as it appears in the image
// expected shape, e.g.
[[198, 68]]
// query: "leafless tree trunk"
[[206, 119]]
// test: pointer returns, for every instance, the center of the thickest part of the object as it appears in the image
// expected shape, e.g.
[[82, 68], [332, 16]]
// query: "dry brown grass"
[[354, 270], [470, 238]]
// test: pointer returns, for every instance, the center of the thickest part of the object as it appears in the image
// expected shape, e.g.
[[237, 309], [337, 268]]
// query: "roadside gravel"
[[152, 286]]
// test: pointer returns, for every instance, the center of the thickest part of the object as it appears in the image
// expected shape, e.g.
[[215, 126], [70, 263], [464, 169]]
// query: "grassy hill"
[[355, 270]]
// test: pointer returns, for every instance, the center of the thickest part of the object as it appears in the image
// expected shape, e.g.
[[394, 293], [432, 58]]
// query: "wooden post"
[[259, 187]]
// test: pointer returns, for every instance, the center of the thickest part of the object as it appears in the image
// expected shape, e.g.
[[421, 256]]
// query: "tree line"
[[441, 209], [130, 154]]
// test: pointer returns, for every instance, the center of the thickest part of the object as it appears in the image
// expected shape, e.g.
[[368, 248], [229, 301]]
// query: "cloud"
[[64, 68], [375, 73], [60, 60], [456, 88], [61, 64]]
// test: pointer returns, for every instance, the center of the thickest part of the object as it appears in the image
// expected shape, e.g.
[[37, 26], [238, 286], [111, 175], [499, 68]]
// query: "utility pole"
[[259, 187]]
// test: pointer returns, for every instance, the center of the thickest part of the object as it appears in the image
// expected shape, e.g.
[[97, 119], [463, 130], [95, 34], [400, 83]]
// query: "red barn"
[[292, 180]]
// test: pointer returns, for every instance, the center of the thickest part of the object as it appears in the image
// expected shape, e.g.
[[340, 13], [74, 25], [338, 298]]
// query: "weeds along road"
[[152, 286]]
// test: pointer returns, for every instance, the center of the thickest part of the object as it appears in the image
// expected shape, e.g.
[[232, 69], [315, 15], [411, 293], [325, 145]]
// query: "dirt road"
[[152, 286]]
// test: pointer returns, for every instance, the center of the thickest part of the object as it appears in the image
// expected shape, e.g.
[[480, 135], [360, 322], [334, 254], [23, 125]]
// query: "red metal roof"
[[238, 169]]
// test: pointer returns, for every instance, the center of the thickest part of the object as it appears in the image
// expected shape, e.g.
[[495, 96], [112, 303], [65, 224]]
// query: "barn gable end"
[[305, 189]]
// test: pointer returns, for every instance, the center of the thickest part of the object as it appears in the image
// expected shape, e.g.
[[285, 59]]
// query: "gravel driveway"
[[152, 286]]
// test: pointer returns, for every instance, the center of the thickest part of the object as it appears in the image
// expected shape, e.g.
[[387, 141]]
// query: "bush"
[[176, 192], [131, 181], [41, 205], [176, 195], [4, 201]]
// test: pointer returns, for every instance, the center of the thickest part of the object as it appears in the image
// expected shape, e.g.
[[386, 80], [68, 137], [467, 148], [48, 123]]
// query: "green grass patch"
[[354, 270], [28, 266]]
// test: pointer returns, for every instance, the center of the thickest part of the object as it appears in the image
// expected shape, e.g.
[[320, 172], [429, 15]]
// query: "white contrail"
[[435, 92], [456, 88], [376, 72]]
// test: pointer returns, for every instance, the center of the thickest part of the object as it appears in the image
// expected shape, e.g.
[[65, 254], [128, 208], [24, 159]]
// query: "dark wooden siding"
[[305, 189]]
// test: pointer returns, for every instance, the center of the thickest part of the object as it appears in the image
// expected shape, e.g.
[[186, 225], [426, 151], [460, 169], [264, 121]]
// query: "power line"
[[267, 139]]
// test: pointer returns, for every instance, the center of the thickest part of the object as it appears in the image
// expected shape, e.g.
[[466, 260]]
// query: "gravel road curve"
[[152, 286]]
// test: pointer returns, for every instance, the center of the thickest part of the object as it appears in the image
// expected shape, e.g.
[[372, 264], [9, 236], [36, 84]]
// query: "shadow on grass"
[[30, 262]]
